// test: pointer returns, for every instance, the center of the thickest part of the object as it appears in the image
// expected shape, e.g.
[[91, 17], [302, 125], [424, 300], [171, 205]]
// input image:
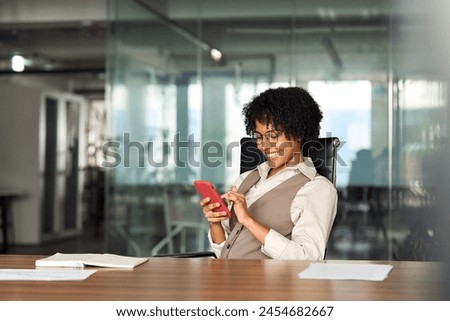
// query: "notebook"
[[82, 260]]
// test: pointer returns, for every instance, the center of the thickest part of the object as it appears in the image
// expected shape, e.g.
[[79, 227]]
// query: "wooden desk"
[[163, 279]]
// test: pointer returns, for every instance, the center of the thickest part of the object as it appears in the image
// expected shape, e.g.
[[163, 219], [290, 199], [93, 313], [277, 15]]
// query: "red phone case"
[[206, 189]]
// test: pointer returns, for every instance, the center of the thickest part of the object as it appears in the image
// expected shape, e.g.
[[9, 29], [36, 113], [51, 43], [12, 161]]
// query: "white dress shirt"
[[313, 210]]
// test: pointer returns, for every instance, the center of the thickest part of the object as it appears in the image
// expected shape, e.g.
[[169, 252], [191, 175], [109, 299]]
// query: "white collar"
[[306, 168]]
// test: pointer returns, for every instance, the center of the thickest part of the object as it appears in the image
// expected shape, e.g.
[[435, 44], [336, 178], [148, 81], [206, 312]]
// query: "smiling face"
[[279, 151]]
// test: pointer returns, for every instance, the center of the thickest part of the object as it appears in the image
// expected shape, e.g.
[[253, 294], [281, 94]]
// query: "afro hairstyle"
[[290, 110]]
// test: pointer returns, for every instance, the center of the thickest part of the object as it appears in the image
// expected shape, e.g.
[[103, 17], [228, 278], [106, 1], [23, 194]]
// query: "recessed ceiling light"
[[215, 54], [17, 63]]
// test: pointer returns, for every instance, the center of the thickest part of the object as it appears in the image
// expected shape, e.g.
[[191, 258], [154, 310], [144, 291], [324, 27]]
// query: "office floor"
[[87, 242]]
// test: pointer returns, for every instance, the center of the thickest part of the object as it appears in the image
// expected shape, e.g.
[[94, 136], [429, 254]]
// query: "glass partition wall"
[[179, 73]]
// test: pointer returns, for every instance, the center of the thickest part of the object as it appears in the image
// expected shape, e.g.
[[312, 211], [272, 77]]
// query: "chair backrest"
[[322, 152]]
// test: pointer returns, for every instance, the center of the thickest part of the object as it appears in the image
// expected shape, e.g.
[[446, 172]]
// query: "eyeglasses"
[[271, 137]]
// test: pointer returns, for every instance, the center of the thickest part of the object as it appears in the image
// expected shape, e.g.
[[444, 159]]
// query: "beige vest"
[[273, 210]]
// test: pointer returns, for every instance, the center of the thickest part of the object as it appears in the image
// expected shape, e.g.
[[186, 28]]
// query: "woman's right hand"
[[208, 211]]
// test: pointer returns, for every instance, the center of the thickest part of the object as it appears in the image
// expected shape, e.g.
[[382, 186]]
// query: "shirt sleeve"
[[312, 211], [216, 248]]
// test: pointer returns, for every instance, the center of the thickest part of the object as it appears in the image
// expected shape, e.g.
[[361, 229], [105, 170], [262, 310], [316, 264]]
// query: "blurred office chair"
[[182, 215], [323, 153]]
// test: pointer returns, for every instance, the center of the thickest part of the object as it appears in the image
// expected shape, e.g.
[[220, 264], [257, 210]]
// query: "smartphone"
[[206, 189]]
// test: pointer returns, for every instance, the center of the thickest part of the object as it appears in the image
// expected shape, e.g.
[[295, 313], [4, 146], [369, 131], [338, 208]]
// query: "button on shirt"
[[313, 210]]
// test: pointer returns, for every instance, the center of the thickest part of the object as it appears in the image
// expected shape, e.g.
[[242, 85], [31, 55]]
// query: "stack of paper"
[[100, 260], [44, 275], [346, 271]]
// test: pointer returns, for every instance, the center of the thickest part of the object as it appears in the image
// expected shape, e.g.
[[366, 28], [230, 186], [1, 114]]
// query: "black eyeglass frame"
[[271, 137]]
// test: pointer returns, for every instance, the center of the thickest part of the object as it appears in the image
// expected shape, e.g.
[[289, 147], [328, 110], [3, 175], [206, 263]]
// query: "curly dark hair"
[[290, 110]]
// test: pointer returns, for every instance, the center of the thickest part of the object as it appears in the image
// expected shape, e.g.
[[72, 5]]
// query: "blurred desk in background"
[[6, 198]]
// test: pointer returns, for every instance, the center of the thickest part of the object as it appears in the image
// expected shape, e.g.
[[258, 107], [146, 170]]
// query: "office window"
[[365, 69], [346, 107]]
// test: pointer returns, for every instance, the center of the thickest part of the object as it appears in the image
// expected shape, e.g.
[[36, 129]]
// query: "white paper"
[[44, 275], [80, 260], [346, 271]]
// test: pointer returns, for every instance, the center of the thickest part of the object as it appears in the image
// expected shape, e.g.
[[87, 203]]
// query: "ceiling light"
[[183, 31], [215, 54], [17, 63]]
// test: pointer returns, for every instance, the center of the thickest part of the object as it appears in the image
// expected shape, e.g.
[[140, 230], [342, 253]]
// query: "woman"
[[283, 209]]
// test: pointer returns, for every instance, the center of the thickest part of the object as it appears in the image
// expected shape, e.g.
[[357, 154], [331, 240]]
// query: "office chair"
[[180, 204], [182, 211], [322, 152]]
